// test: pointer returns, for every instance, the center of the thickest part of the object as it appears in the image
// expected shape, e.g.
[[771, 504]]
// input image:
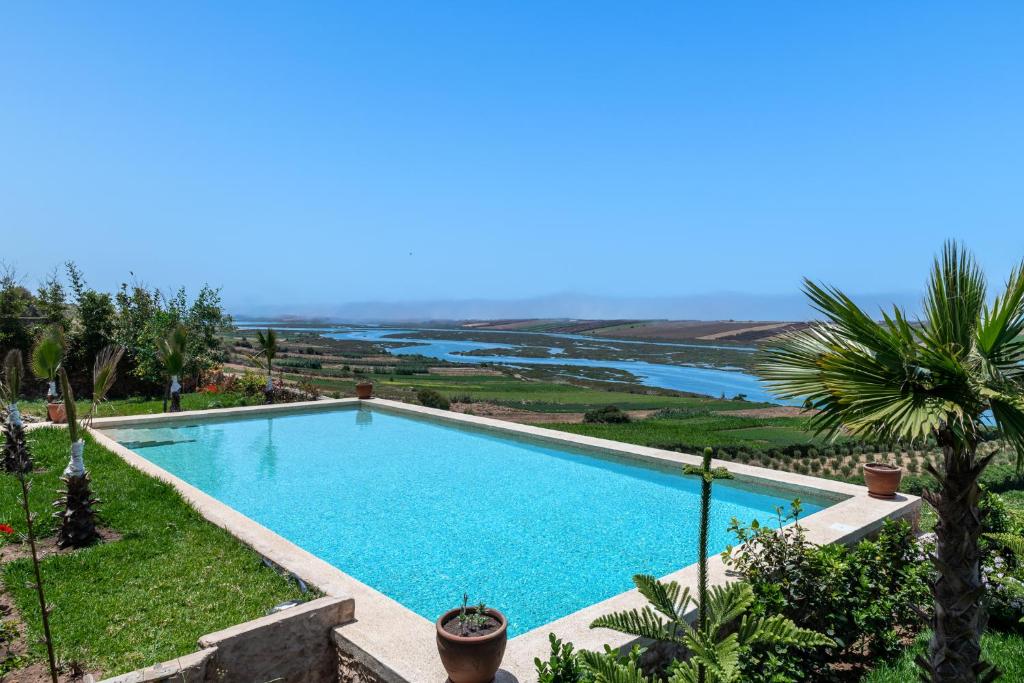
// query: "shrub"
[[250, 383], [606, 415], [432, 399], [866, 597]]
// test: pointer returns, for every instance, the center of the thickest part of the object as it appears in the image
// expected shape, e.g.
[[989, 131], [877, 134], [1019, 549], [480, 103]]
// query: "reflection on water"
[[364, 417]]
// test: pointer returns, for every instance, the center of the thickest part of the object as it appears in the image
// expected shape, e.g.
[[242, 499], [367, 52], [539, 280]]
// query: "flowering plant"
[[6, 529]]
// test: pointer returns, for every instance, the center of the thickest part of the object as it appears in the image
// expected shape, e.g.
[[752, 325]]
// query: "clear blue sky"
[[325, 153]]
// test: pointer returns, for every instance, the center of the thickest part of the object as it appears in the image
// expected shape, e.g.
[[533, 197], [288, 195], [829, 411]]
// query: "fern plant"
[[724, 626]]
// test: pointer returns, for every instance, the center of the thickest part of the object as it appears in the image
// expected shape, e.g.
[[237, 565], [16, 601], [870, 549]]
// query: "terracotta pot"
[[56, 412], [883, 480], [364, 389], [471, 659]]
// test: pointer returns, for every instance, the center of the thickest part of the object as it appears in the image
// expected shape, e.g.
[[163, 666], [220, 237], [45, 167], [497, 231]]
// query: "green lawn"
[[698, 431], [148, 406], [146, 598], [1005, 650]]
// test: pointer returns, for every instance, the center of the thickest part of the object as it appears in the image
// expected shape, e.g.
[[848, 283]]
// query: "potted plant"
[[364, 389], [47, 357], [471, 642], [882, 479]]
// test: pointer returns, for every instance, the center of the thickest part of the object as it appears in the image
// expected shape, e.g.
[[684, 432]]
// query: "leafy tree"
[[51, 303], [940, 377], [15, 302]]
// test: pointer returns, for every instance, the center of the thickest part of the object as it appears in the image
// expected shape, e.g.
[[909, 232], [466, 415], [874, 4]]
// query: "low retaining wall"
[[292, 646]]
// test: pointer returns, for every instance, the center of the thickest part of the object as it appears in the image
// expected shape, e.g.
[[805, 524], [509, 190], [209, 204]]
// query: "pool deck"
[[402, 640]]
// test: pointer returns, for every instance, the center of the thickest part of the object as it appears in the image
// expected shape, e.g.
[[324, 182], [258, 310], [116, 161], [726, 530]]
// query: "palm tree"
[[46, 359], [76, 505], [951, 376], [267, 344], [171, 351]]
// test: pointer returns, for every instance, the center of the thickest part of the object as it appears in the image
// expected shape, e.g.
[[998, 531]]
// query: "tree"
[[171, 351], [267, 351], [51, 303], [15, 301], [938, 377]]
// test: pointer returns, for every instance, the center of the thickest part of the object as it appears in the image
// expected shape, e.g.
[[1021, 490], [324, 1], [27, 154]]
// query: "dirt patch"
[[38, 672], [774, 411], [499, 412], [48, 546]]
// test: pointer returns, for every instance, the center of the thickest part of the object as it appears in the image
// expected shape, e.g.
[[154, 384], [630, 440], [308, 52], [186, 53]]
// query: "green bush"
[[432, 399], [867, 598], [251, 384], [606, 415]]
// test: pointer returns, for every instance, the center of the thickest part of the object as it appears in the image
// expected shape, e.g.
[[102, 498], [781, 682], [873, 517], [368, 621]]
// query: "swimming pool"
[[423, 510]]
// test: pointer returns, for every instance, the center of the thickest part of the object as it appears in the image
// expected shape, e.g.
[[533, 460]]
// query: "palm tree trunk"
[[954, 653]]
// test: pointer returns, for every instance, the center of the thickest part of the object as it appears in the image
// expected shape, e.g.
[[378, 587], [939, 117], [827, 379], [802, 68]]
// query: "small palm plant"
[[939, 378], [171, 352], [76, 505], [267, 344], [723, 628], [17, 452], [16, 457], [46, 360]]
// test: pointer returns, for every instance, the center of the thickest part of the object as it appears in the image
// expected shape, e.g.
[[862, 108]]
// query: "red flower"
[[6, 529], [211, 388]]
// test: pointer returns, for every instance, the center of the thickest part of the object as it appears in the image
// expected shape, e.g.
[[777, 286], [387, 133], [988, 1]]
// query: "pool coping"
[[404, 641]]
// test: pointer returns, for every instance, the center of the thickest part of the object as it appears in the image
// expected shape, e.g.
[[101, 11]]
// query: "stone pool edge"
[[403, 641]]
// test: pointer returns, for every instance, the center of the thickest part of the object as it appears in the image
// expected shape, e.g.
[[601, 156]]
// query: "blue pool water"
[[424, 510]]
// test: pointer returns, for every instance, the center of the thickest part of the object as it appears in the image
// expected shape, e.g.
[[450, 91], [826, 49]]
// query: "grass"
[[1004, 650], [148, 597], [149, 406], [698, 431]]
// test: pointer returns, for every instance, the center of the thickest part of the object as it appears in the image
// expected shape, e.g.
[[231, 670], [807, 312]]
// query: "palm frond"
[[1000, 334], [172, 349], [104, 371], [13, 372], [954, 300], [48, 354], [70, 409]]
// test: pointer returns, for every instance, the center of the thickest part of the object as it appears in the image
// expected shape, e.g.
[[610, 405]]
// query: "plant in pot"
[[471, 642], [47, 357], [882, 479], [364, 389]]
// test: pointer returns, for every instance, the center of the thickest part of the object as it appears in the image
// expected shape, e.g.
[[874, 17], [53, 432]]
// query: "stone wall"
[[292, 646]]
